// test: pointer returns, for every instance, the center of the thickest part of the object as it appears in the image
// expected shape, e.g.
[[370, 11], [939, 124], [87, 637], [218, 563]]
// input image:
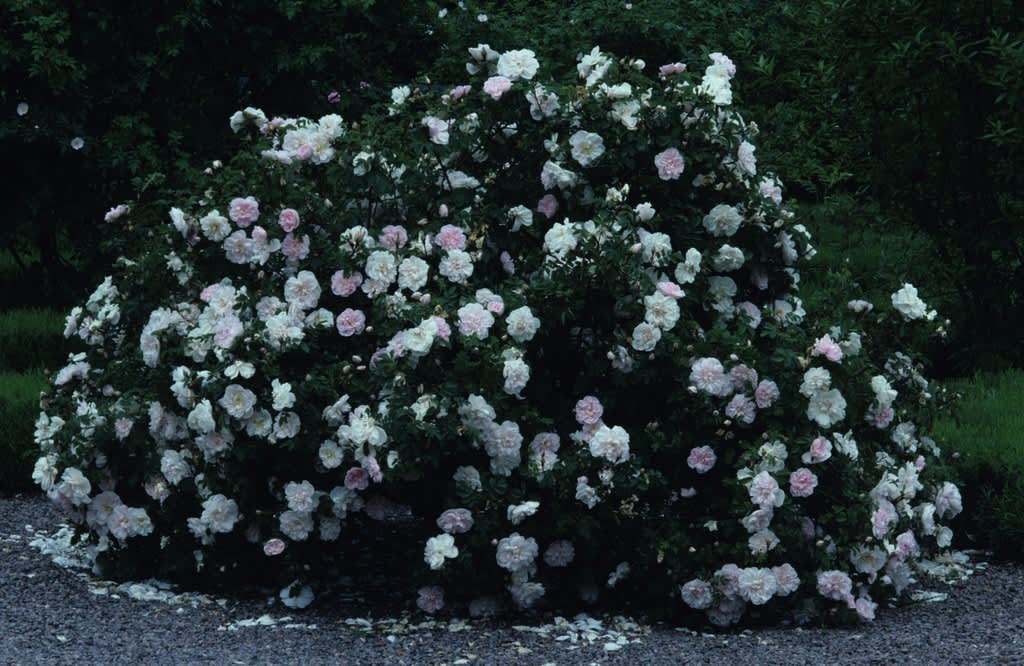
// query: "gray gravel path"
[[50, 615]]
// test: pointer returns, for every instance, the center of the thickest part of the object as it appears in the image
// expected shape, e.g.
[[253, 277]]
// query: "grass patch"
[[986, 432], [19, 407], [32, 338]]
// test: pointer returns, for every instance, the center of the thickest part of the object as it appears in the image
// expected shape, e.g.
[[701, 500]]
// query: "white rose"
[[521, 324], [645, 337], [612, 444], [519, 64], [723, 220], [587, 147], [412, 273], [560, 239], [439, 549], [907, 302]]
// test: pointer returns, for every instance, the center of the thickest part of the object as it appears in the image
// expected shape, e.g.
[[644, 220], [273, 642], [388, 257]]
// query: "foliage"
[[148, 90], [594, 374], [19, 405], [985, 437], [32, 339]]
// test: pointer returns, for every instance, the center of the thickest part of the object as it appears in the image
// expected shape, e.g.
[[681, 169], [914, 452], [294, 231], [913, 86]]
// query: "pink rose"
[[671, 289], [589, 410], [821, 450], [293, 248], [672, 68], [450, 238], [273, 547], [342, 285], [827, 347], [669, 163], [547, 206], [496, 86], [722, 59], [766, 393], [455, 521], [701, 459], [351, 322], [444, 331], [357, 478], [459, 91], [393, 237], [304, 152], [507, 263], [288, 219], [752, 312], [802, 482], [741, 408], [373, 469], [244, 212]]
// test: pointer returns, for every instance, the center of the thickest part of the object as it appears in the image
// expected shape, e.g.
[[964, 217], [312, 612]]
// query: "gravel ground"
[[53, 615]]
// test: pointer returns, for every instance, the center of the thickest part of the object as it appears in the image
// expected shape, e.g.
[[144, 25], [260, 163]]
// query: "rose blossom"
[[357, 478], [669, 163], [802, 482], [589, 410], [701, 459], [244, 212], [547, 206], [766, 393], [450, 238], [342, 285], [455, 521], [671, 289], [834, 585], [273, 547], [741, 408], [827, 347], [821, 450], [496, 86], [394, 237], [351, 322], [288, 219]]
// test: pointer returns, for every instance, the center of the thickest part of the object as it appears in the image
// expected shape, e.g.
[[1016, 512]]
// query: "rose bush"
[[557, 317]]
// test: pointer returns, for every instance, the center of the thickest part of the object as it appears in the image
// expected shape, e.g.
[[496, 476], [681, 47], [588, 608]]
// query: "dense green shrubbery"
[[987, 436], [32, 339], [19, 406]]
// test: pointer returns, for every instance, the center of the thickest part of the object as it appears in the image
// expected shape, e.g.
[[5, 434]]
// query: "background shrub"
[[987, 434], [19, 407], [31, 338]]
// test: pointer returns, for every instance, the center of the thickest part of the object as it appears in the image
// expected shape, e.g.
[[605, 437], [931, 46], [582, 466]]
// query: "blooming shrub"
[[555, 317]]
